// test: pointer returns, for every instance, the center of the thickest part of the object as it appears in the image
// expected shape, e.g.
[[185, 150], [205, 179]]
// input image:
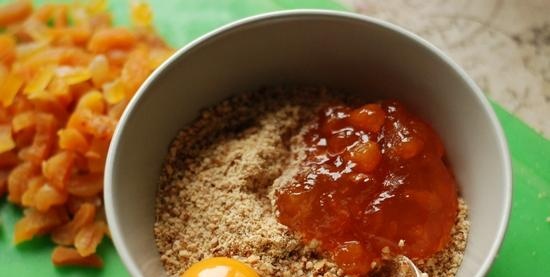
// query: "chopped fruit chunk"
[[100, 126], [36, 223], [111, 38], [86, 185], [43, 140], [18, 180], [48, 196], [72, 139], [14, 12], [114, 92], [99, 69], [6, 139], [34, 184], [92, 101], [88, 238], [22, 121], [65, 256], [40, 81], [135, 70], [9, 86], [7, 49], [74, 75], [369, 117], [65, 234], [366, 156], [58, 168]]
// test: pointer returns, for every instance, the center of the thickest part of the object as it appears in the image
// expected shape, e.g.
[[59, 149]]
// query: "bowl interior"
[[340, 50]]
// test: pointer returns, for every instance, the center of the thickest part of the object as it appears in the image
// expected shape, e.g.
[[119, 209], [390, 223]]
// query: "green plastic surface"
[[525, 248]]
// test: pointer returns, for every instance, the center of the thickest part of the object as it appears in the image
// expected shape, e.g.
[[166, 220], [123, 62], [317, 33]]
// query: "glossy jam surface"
[[374, 177], [219, 267]]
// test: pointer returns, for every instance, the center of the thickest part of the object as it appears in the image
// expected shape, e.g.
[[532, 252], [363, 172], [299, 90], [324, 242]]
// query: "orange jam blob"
[[374, 177], [219, 267]]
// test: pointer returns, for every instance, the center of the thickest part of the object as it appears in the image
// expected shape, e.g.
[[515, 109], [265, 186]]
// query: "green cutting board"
[[525, 251]]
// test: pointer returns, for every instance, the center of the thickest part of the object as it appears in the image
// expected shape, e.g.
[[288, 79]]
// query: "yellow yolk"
[[220, 267]]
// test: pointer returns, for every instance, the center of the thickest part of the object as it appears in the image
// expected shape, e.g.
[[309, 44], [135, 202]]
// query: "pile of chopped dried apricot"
[[66, 75]]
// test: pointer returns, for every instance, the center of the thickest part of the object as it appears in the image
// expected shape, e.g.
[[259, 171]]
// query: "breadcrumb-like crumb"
[[218, 188]]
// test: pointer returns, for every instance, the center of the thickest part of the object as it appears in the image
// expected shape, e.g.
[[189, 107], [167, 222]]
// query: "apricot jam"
[[374, 177]]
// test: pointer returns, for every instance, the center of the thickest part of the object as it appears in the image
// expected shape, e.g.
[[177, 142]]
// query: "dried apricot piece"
[[116, 110], [9, 86], [7, 49], [14, 12], [88, 238], [34, 184], [64, 235], [73, 75], [72, 139], [37, 223], [43, 141], [111, 38], [135, 70], [36, 30], [100, 126], [48, 196], [6, 139], [97, 155], [92, 101], [18, 180], [60, 89], [58, 168], [76, 60], [22, 121], [40, 81], [75, 202], [114, 91], [65, 256], [86, 185], [99, 68], [74, 35]]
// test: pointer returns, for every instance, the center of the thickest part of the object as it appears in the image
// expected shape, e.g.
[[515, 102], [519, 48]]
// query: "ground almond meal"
[[217, 191]]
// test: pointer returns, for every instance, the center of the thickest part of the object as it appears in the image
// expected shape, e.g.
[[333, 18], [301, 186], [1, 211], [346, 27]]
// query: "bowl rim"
[[109, 201]]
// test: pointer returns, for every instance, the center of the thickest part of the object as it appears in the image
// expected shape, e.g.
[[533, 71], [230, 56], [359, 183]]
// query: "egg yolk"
[[220, 267]]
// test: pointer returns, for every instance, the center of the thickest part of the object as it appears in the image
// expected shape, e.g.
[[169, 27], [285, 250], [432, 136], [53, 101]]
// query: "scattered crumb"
[[401, 243], [548, 219], [217, 190]]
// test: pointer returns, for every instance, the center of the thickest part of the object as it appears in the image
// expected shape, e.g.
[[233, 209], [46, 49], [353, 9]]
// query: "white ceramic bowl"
[[341, 50]]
